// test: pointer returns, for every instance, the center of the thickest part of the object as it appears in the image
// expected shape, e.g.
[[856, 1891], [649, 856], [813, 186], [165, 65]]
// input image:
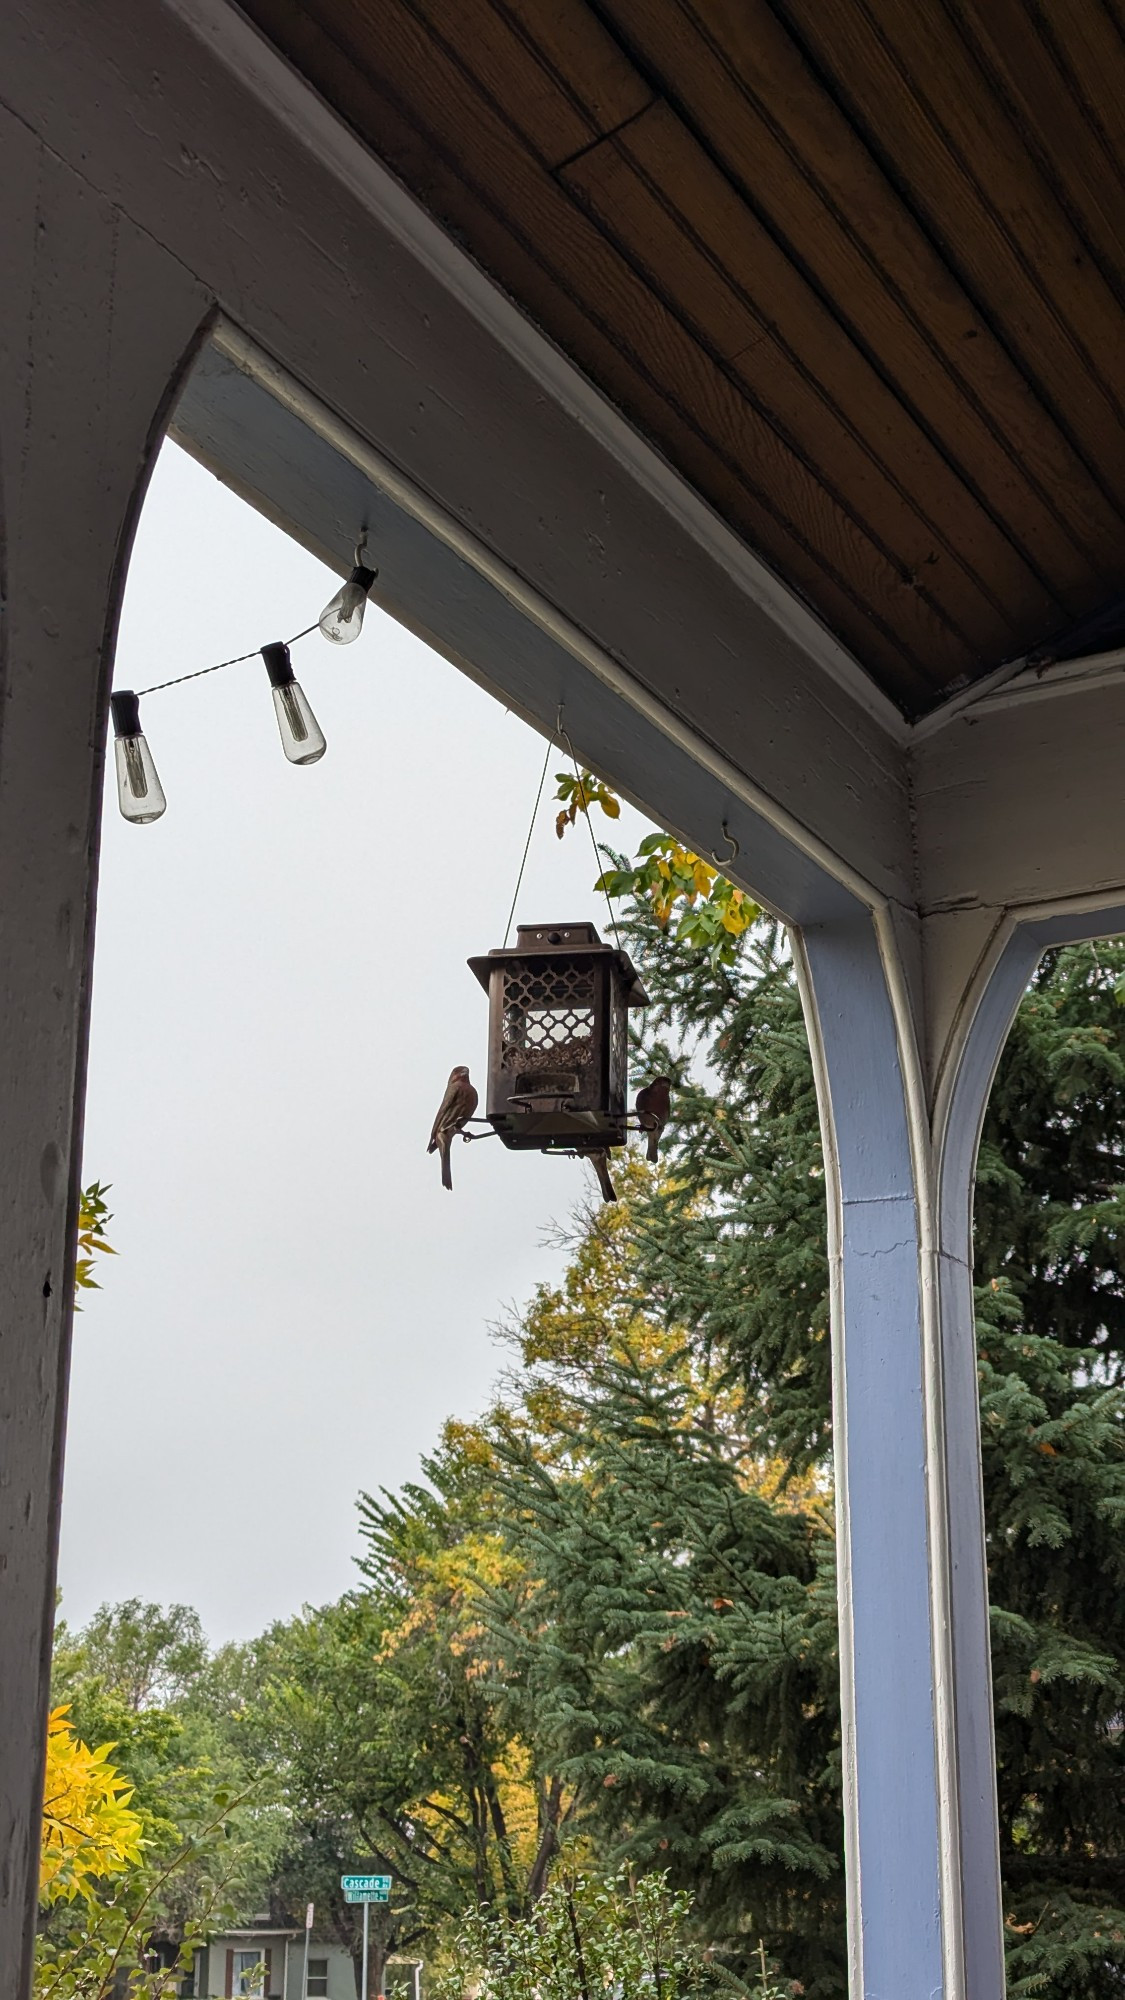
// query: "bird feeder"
[[558, 1039]]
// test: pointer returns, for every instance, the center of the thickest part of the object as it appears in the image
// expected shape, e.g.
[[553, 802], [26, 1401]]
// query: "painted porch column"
[[95, 321], [924, 1915]]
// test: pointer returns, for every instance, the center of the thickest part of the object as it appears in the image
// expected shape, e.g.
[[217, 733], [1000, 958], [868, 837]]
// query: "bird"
[[600, 1162], [653, 1104], [457, 1107]]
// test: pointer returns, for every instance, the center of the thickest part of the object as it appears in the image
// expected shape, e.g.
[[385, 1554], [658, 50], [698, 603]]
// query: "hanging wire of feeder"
[[558, 1036]]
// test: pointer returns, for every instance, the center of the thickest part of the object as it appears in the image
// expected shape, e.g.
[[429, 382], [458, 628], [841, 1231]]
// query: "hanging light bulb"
[[140, 793], [342, 618], [302, 738]]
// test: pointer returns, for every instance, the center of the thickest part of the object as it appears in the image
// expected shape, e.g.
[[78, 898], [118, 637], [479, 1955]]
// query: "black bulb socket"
[[125, 708], [363, 576], [278, 664]]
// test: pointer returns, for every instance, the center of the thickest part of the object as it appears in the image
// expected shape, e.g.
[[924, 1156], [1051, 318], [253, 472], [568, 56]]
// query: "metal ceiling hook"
[[724, 860]]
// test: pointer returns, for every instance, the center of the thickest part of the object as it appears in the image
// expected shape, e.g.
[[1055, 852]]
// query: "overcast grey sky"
[[280, 992]]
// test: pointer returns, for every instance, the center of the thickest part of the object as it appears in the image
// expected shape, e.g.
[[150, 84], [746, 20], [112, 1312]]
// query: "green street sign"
[[366, 1888]]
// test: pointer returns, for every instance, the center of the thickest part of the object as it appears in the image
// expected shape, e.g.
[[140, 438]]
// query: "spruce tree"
[[1051, 1340], [674, 1650], [679, 1646]]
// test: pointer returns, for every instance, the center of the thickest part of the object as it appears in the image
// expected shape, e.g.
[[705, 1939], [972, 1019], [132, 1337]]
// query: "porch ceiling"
[[855, 266]]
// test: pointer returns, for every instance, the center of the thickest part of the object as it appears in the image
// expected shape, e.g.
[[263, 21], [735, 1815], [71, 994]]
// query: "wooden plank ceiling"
[[856, 267]]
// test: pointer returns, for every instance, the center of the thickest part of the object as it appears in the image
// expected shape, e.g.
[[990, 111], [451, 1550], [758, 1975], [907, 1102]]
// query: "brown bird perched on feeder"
[[457, 1107], [653, 1104]]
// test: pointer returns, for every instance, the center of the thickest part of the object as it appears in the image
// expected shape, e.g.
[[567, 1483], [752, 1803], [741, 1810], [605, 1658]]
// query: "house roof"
[[259, 1931]]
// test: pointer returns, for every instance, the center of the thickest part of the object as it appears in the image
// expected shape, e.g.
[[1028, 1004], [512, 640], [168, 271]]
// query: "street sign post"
[[366, 1889]]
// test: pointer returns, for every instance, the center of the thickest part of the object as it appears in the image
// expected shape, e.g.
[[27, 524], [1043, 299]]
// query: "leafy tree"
[[139, 1676], [89, 1829], [432, 1556], [313, 1706], [588, 1937], [104, 1942], [392, 1749], [133, 1868], [139, 1856], [144, 1655]]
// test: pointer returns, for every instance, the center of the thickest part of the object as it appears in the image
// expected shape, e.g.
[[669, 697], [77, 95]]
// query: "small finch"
[[457, 1107], [600, 1163], [653, 1103]]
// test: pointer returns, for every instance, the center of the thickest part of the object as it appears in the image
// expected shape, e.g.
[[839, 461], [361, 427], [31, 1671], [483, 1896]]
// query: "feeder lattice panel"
[[548, 1017], [618, 1048]]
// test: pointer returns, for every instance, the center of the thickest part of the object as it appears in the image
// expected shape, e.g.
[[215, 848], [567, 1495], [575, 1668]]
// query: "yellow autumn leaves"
[[92, 1219], [712, 913], [579, 794], [89, 1829]]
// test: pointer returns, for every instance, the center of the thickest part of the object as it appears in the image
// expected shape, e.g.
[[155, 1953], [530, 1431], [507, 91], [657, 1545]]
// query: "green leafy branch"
[[713, 913], [578, 794], [93, 1217]]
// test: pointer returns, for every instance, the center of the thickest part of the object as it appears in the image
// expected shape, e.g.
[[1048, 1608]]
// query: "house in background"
[[270, 1965]]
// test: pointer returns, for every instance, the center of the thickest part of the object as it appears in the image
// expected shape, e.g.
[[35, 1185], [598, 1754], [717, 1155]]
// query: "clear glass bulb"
[[302, 738], [140, 793], [342, 618]]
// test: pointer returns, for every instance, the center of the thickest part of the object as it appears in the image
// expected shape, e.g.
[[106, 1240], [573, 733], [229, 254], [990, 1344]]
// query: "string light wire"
[[159, 686], [239, 659]]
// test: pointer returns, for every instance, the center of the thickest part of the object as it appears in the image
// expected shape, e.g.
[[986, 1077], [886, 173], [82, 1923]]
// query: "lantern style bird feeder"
[[558, 1040]]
